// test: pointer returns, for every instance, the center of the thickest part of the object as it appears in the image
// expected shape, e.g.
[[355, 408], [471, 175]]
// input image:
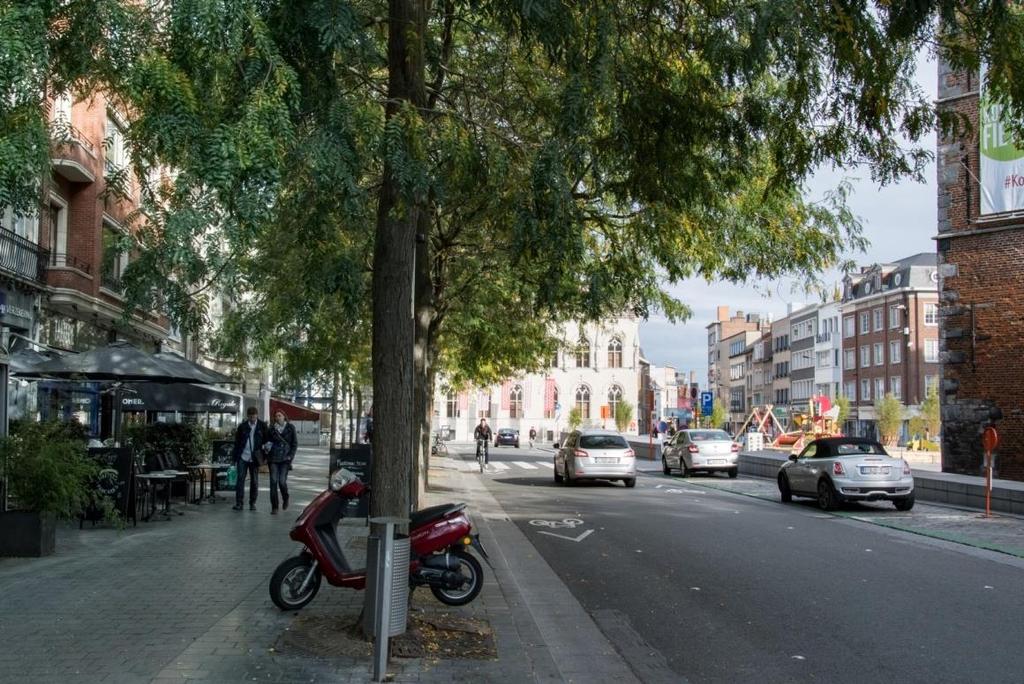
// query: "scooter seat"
[[429, 515]]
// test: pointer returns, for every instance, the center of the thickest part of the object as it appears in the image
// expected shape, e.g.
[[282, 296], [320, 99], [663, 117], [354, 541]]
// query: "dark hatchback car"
[[507, 436]]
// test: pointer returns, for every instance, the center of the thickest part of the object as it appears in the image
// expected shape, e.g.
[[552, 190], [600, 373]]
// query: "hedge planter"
[[26, 533]]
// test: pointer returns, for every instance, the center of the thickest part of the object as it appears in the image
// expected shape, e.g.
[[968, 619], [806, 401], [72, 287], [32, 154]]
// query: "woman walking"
[[283, 444]]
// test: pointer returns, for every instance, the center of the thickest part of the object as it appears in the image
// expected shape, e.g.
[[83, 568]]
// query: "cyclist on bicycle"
[[482, 435]]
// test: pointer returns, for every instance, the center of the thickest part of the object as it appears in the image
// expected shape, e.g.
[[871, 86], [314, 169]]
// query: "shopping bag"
[[232, 476]]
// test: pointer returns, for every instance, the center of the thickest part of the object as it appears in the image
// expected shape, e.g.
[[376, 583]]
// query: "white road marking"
[[571, 523], [524, 464], [799, 657], [500, 467], [546, 464], [578, 539]]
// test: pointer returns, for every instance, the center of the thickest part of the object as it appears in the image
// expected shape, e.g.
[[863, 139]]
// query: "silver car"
[[838, 469], [592, 454], [700, 450]]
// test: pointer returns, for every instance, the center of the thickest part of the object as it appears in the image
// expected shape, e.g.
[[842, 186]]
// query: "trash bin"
[[387, 569]]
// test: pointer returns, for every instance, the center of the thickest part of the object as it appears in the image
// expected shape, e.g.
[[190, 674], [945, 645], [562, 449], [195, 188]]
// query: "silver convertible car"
[[837, 469]]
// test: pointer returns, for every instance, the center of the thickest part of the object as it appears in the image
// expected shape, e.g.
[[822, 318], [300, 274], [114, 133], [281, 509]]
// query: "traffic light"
[[693, 391]]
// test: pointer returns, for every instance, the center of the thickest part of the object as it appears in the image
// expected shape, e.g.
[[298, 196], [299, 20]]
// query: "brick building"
[[722, 328], [890, 337], [981, 262]]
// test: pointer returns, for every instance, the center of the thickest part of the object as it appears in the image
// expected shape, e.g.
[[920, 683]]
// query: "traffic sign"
[[706, 403]]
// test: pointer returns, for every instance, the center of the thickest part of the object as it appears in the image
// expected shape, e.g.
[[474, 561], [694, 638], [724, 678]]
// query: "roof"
[[919, 259]]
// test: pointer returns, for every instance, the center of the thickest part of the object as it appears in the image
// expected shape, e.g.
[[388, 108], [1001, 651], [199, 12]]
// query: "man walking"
[[249, 439]]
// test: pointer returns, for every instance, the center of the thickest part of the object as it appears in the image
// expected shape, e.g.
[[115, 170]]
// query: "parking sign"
[[706, 401]]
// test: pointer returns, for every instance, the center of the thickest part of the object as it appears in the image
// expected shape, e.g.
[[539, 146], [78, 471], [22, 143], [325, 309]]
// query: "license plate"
[[717, 461], [606, 460], [874, 470]]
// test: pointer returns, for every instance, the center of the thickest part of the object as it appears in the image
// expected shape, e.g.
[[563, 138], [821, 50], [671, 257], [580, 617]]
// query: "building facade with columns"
[[596, 370]]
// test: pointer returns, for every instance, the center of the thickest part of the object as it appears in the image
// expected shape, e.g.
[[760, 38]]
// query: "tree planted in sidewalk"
[[889, 418], [623, 415], [719, 414]]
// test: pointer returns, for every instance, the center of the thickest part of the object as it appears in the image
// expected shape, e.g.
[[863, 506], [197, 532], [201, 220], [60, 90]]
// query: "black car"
[[507, 436]]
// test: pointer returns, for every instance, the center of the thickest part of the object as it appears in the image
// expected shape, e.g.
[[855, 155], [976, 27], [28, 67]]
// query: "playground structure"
[[820, 420]]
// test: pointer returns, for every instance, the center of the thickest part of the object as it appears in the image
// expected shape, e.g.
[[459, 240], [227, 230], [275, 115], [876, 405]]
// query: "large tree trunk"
[[393, 270]]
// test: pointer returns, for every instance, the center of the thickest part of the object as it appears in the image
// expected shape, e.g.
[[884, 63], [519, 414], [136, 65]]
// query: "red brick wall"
[[982, 264]]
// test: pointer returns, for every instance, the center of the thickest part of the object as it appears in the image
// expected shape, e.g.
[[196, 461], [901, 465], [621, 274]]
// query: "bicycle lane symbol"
[[565, 523]]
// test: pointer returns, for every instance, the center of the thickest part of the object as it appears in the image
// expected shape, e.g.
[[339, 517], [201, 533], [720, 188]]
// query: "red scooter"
[[439, 539]]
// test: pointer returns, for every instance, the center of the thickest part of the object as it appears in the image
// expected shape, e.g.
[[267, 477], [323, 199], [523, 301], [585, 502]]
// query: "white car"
[[591, 454], [700, 450]]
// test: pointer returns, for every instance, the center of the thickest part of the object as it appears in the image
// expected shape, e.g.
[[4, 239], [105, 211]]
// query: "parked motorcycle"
[[440, 537]]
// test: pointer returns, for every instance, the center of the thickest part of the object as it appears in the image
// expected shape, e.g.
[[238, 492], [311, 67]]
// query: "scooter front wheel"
[[473, 582], [289, 589]]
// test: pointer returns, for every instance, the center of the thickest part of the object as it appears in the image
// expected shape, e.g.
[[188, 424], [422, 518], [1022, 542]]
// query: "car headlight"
[[340, 478]]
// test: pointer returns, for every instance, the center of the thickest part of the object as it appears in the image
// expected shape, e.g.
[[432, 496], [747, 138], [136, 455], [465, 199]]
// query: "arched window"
[[614, 399], [452, 405], [583, 354], [515, 402], [615, 353], [583, 401]]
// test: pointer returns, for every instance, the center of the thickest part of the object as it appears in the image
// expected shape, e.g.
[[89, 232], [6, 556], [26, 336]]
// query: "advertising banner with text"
[[1002, 162]]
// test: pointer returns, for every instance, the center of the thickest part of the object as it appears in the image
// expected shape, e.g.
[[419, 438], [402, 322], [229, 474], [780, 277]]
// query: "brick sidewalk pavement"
[[187, 600]]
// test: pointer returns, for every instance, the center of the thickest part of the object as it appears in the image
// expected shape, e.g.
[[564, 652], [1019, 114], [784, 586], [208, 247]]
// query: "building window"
[[879, 388], [115, 146], [58, 231], [61, 114], [931, 351], [802, 389], [824, 359], [931, 384], [931, 314], [22, 225], [896, 387], [615, 354], [894, 352], [877, 315], [894, 317], [736, 400], [865, 390], [848, 327], [850, 359], [583, 401], [850, 390], [114, 259], [865, 356], [614, 399], [583, 354], [865, 322], [452, 405], [515, 402], [879, 354], [553, 361]]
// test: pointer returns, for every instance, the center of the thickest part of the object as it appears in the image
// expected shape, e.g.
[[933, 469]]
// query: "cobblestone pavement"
[[187, 599], [1002, 532]]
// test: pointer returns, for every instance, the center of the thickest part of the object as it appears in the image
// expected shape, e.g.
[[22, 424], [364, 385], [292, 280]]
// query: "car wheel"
[[683, 470], [517, 445], [904, 504], [785, 493], [664, 466], [828, 500], [630, 482], [733, 472]]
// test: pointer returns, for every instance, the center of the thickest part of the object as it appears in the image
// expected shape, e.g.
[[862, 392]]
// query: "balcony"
[[22, 257], [72, 155], [61, 260], [823, 338]]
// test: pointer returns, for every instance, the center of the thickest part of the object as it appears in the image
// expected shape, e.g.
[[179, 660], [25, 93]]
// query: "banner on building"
[[1002, 162], [549, 395], [506, 395]]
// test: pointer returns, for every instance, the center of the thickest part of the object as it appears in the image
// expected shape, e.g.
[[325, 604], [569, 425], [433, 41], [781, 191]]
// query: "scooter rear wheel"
[[288, 579], [473, 573]]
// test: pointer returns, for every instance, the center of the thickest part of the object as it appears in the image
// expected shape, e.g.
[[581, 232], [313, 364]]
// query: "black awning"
[[149, 396]]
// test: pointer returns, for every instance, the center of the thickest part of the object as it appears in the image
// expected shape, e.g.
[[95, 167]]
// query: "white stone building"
[[596, 370], [828, 345]]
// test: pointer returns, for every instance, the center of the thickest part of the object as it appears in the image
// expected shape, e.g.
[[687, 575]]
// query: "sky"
[[897, 220]]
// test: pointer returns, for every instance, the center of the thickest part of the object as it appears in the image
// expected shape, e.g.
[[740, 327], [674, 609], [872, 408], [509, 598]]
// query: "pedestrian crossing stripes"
[[524, 464]]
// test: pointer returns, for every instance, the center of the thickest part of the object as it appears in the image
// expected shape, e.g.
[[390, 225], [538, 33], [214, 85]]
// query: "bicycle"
[[438, 446], [481, 450]]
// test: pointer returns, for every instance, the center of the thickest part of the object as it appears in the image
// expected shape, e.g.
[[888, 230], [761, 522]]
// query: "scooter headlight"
[[340, 478]]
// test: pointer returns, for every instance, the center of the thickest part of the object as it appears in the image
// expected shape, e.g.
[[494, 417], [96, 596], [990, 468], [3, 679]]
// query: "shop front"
[[216, 409]]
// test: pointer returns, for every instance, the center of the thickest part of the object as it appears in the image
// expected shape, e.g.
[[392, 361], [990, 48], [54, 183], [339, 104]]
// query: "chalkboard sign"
[[115, 481], [222, 450], [356, 459]]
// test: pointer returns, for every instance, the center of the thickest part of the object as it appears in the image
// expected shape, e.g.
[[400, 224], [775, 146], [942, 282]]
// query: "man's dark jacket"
[[242, 436]]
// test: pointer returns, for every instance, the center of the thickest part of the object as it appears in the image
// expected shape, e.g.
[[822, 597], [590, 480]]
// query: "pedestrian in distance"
[[250, 438], [482, 433], [369, 428], [283, 443], [533, 436]]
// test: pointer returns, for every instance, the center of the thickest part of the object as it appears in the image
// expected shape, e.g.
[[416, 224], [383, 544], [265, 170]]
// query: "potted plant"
[[48, 475]]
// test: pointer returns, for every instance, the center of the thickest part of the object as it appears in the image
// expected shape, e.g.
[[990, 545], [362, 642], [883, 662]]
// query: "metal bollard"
[[387, 568]]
